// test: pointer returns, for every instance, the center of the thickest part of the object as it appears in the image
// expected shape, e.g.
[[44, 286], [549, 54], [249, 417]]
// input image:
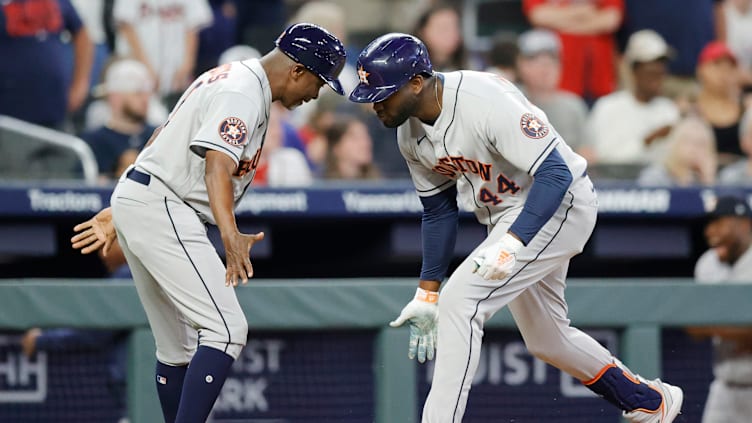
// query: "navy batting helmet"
[[386, 64], [315, 48]]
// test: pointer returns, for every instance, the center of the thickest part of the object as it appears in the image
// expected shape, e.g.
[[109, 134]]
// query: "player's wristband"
[[426, 296]]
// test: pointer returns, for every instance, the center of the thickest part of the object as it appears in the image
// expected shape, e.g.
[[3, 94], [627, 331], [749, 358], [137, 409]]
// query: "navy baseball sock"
[[203, 381], [169, 388], [618, 387]]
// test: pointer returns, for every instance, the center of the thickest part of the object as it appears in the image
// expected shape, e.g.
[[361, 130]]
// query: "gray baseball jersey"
[[489, 140], [474, 145], [160, 207], [730, 396], [225, 110]]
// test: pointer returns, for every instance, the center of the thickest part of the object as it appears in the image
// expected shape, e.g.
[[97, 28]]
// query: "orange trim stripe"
[[599, 375]]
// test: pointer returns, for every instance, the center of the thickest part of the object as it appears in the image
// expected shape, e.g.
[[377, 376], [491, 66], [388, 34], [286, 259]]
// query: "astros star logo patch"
[[363, 75], [233, 131], [532, 126]]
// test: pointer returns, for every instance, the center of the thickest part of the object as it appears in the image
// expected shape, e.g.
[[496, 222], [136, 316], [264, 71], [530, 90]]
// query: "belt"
[[138, 176]]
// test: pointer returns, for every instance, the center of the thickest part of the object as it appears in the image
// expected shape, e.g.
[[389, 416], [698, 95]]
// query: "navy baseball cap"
[[730, 206], [317, 49]]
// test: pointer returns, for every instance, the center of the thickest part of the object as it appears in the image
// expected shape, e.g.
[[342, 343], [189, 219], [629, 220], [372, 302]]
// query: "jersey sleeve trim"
[[546, 151], [216, 147]]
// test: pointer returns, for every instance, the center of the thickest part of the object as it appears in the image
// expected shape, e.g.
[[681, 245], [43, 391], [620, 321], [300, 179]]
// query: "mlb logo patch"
[[532, 126], [161, 380], [233, 131]]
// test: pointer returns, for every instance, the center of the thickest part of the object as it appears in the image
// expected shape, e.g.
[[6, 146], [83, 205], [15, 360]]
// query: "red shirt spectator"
[[586, 29]]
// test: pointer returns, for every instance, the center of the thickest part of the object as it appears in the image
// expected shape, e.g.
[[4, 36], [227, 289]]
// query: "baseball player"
[[194, 171], [729, 260], [475, 138]]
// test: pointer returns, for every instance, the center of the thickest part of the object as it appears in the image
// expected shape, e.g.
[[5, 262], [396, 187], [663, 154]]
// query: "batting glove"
[[497, 261], [422, 313]]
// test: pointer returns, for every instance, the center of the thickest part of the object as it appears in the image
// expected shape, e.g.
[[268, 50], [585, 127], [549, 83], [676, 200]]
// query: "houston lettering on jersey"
[[245, 166], [452, 165]]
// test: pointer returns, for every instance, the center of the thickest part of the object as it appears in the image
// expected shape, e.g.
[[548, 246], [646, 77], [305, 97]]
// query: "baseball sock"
[[204, 379], [169, 388], [620, 388]]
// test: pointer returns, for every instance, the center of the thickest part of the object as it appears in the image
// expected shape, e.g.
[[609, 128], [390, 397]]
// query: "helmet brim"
[[334, 84], [366, 94]]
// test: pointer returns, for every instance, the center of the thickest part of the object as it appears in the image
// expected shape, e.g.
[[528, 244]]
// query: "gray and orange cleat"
[[672, 398]]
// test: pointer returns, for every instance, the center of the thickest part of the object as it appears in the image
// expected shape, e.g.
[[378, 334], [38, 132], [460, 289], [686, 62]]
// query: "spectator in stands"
[[439, 28], [312, 123], [719, 101], [281, 165], [738, 36], [540, 71], [163, 34], [331, 16], [92, 13], [238, 53], [218, 37], [626, 125], [259, 23], [687, 25], [691, 157], [313, 133], [127, 87], [501, 59], [740, 172], [349, 152], [729, 260], [586, 29], [35, 83]]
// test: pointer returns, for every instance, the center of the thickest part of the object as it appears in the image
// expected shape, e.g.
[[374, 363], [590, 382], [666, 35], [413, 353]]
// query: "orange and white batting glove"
[[496, 261], [422, 313]]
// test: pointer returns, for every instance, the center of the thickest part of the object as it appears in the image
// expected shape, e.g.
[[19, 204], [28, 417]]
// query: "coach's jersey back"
[[226, 109], [489, 140]]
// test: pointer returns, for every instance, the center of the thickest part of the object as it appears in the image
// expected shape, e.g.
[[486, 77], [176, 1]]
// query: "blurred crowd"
[[653, 92]]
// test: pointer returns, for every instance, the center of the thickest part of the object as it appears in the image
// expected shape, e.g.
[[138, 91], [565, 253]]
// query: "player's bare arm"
[[219, 170], [95, 233]]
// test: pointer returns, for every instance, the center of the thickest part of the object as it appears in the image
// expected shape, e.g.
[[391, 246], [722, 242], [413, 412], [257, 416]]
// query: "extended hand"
[[238, 257], [97, 232], [496, 261], [423, 314]]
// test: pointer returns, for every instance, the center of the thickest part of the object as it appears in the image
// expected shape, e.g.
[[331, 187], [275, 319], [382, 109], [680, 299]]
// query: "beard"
[[401, 113]]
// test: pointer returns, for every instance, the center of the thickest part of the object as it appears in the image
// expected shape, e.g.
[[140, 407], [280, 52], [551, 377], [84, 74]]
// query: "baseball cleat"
[[673, 396]]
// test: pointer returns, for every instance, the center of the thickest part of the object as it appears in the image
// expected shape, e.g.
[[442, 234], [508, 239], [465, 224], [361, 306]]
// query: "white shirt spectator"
[[737, 173], [739, 33], [161, 26], [618, 125], [288, 168]]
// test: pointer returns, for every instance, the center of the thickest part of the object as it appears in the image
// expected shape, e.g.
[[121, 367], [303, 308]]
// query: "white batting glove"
[[497, 261], [423, 315]]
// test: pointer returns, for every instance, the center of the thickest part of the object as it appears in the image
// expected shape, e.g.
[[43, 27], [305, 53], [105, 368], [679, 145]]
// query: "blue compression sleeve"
[[549, 186], [439, 233]]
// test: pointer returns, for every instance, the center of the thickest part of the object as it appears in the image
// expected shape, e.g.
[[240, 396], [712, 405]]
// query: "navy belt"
[[138, 176]]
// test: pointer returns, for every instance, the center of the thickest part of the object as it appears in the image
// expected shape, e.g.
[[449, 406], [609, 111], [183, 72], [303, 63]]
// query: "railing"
[[25, 132]]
